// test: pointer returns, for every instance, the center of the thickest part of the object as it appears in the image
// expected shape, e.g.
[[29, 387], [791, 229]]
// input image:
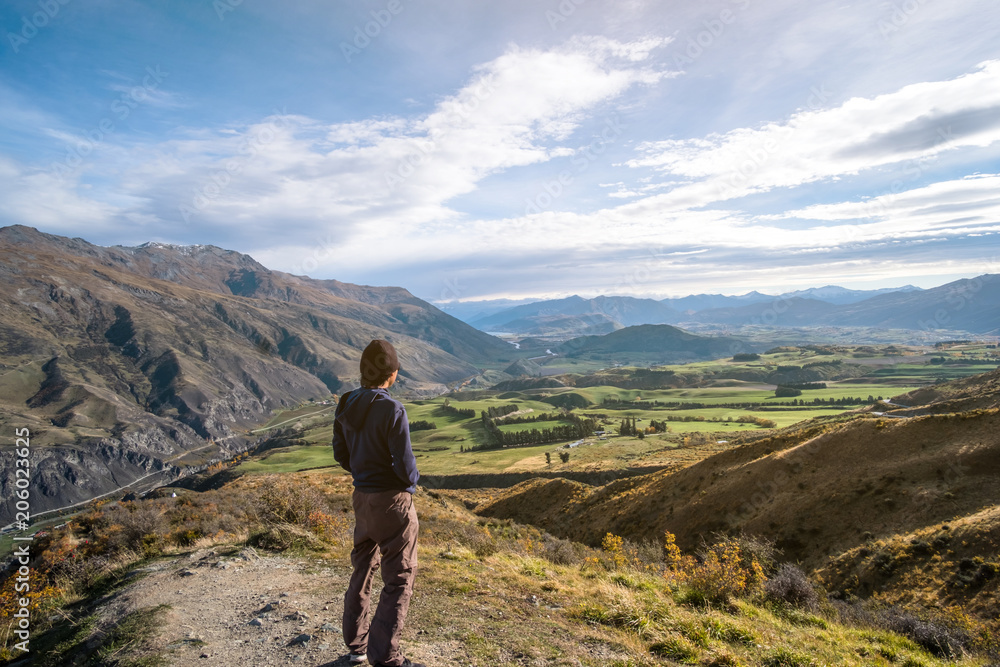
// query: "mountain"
[[792, 311], [467, 311], [840, 295], [129, 363], [971, 305], [696, 302], [652, 343], [555, 318], [535, 318]]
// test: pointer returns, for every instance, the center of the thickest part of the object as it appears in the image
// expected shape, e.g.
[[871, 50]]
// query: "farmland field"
[[700, 418]]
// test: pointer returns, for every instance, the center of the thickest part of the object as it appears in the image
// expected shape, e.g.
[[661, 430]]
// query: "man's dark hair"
[[378, 362]]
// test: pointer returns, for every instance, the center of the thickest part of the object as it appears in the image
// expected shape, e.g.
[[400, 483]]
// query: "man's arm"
[[404, 464], [340, 451]]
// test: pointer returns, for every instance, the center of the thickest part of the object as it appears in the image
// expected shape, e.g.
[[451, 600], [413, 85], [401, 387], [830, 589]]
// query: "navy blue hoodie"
[[371, 440]]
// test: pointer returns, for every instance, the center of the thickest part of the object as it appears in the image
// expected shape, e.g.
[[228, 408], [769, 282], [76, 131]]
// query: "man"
[[371, 440]]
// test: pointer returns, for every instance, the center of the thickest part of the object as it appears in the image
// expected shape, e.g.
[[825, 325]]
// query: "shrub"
[[729, 569], [284, 538], [561, 552], [671, 552], [791, 585], [284, 501], [935, 636]]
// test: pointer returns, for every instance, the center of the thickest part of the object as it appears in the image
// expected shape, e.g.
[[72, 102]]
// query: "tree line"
[[619, 404], [576, 428], [497, 411], [422, 425]]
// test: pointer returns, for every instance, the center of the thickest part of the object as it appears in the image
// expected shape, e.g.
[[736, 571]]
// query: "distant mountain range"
[[532, 318], [652, 343], [124, 362], [971, 305]]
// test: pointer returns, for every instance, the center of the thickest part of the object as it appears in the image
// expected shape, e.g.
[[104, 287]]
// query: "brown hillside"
[[816, 497], [972, 393], [953, 563]]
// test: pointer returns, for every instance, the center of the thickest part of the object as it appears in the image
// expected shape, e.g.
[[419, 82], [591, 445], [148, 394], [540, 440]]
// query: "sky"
[[518, 148]]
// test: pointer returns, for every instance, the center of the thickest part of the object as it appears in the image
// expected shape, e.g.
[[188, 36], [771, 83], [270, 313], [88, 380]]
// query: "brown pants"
[[385, 530]]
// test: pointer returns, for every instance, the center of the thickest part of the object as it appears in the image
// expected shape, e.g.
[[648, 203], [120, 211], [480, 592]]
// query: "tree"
[[564, 457]]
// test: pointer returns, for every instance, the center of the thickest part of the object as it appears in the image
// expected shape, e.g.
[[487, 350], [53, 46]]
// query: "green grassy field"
[[887, 372]]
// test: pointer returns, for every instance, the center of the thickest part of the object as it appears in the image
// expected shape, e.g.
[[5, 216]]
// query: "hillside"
[[819, 490], [127, 363], [260, 582], [652, 343]]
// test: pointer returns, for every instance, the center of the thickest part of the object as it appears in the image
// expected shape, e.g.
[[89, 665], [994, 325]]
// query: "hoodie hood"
[[357, 405]]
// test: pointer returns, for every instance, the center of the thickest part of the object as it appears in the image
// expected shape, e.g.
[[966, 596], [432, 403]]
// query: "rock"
[[187, 573], [329, 627], [270, 606], [300, 640], [249, 553], [256, 623], [297, 616]]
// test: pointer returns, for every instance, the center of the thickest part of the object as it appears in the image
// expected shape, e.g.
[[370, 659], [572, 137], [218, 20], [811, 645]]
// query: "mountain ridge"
[[535, 318], [128, 361]]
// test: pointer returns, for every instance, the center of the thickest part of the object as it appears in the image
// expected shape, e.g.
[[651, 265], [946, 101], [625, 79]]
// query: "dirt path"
[[251, 609]]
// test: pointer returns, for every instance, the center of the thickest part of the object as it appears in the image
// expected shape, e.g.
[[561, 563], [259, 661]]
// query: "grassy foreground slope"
[[188, 580], [869, 503]]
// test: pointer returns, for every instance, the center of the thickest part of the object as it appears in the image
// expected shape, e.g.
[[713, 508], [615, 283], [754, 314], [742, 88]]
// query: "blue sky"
[[479, 150]]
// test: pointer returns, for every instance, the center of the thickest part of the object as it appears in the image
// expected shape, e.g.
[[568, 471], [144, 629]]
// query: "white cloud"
[[387, 173], [918, 121], [41, 199]]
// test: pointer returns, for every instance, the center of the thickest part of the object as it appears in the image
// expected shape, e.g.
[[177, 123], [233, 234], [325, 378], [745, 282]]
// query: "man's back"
[[371, 440]]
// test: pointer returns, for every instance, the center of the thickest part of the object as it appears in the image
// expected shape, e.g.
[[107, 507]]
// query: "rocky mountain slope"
[[128, 362]]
